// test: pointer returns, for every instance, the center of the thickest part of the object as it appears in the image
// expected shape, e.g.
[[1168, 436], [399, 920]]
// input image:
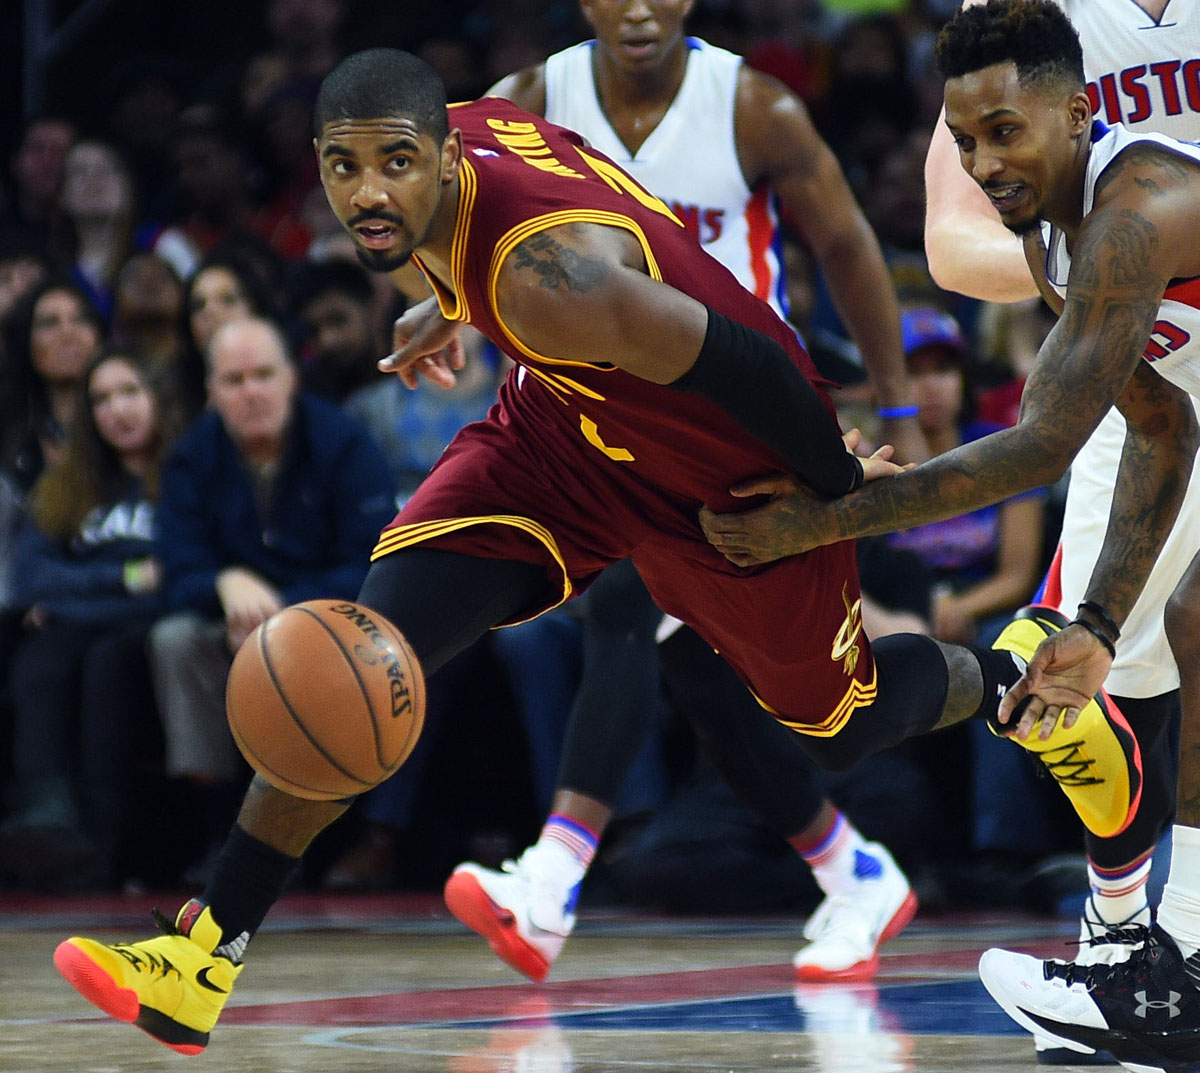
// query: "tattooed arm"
[[580, 292], [1124, 253], [1160, 446]]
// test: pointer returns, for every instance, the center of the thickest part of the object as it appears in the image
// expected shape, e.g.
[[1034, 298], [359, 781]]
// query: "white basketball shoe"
[[846, 931], [525, 911]]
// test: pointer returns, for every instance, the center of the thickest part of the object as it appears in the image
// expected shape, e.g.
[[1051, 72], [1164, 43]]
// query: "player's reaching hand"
[[793, 520], [426, 345], [879, 462], [1066, 671]]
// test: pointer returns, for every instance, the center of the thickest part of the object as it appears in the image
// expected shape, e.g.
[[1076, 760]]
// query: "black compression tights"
[[611, 718], [443, 601], [760, 759]]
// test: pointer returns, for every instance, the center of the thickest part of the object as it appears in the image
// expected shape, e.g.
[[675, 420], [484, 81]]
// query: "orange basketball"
[[325, 699]]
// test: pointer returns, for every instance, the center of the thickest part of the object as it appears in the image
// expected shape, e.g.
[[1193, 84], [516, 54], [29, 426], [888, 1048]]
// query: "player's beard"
[[380, 260], [1026, 227], [383, 260]]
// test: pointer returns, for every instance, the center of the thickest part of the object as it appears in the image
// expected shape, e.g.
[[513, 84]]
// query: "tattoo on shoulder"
[[558, 266], [1150, 167]]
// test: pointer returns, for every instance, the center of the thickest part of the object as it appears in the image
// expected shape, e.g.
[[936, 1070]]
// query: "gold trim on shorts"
[[407, 536]]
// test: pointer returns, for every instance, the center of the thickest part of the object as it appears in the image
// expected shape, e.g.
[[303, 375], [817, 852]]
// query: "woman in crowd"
[[50, 335], [94, 229], [84, 568], [225, 286], [985, 564]]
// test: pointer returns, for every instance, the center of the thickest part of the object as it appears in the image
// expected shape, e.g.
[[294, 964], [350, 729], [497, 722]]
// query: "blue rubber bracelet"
[[889, 413]]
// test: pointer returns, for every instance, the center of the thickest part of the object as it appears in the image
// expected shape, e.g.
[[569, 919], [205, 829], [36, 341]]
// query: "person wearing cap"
[[983, 566], [985, 563]]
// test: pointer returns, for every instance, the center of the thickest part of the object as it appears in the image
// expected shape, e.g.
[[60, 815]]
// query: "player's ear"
[[1080, 110], [451, 155]]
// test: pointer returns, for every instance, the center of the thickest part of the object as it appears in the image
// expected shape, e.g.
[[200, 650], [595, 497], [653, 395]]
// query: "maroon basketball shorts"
[[791, 630]]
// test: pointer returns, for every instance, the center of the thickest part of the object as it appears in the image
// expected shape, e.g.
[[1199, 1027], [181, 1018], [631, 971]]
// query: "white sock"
[[841, 859], [1179, 913], [565, 850], [1119, 893]]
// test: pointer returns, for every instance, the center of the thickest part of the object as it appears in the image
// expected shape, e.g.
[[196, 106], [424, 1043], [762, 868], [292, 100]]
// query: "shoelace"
[[1122, 972], [165, 924], [1071, 768]]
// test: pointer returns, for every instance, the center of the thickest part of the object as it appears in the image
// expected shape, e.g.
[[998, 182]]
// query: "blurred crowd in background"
[[191, 420]]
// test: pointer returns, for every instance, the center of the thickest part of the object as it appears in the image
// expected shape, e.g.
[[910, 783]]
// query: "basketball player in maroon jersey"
[[648, 382]]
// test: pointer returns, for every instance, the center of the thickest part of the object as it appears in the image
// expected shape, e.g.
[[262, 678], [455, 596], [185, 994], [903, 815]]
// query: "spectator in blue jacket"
[[271, 497], [85, 569]]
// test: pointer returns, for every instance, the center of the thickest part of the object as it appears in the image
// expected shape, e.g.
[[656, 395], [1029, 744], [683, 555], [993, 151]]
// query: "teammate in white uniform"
[[1140, 60], [692, 154], [718, 142]]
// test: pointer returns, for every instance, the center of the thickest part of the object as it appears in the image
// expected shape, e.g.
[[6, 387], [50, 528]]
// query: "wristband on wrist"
[[1107, 622], [891, 413], [1097, 633]]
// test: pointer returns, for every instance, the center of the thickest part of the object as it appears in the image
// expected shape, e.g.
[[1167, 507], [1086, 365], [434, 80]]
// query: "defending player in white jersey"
[[1141, 59]]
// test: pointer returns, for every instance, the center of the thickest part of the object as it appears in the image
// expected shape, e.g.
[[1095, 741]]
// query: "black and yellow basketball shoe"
[[172, 987], [1097, 762]]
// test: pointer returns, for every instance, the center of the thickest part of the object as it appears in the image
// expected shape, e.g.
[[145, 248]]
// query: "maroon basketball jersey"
[[578, 465], [522, 174]]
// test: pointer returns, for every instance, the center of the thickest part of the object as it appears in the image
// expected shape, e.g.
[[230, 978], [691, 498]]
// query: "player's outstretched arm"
[[425, 344], [1125, 251]]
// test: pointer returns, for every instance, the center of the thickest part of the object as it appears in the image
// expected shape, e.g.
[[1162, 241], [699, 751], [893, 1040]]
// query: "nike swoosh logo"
[[202, 980]]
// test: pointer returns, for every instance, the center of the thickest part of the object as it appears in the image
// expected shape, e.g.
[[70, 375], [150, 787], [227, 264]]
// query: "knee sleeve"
[[912, 685], [443, 601]]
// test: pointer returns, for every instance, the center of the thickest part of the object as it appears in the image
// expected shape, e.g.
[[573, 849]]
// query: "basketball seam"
[[281, 782], [262, 643], [362, 686]]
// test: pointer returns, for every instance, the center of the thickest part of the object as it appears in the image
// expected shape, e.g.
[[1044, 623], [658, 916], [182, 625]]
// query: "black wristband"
[[750, 376], [1097, 633], [1107, 622]]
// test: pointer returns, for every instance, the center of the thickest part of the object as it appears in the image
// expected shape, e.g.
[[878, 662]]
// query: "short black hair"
[[381, 82], [311, 279], [1034, 35]]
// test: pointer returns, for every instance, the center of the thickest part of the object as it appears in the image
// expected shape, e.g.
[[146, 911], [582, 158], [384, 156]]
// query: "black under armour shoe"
[[1144, 1011]]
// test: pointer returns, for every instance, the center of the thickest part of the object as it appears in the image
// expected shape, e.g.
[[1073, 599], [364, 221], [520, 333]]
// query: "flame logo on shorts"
[[845, 644]]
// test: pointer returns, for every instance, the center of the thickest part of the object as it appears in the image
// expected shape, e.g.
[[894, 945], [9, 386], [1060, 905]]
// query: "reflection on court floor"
[[394, 984]]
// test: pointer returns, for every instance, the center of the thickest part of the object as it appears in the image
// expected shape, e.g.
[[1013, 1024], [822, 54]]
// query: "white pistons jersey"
[[1141, 73], [690, 159], [1144, 666]]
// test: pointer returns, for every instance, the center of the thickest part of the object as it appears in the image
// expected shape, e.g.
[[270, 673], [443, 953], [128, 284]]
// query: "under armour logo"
[[1171, 1005]]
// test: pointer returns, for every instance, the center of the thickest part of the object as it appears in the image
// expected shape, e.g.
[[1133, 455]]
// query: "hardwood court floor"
[[394, 984]]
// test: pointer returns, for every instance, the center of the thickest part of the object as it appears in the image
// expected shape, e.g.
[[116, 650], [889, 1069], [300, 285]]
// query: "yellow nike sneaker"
[[172, 987], [1097, 762]]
